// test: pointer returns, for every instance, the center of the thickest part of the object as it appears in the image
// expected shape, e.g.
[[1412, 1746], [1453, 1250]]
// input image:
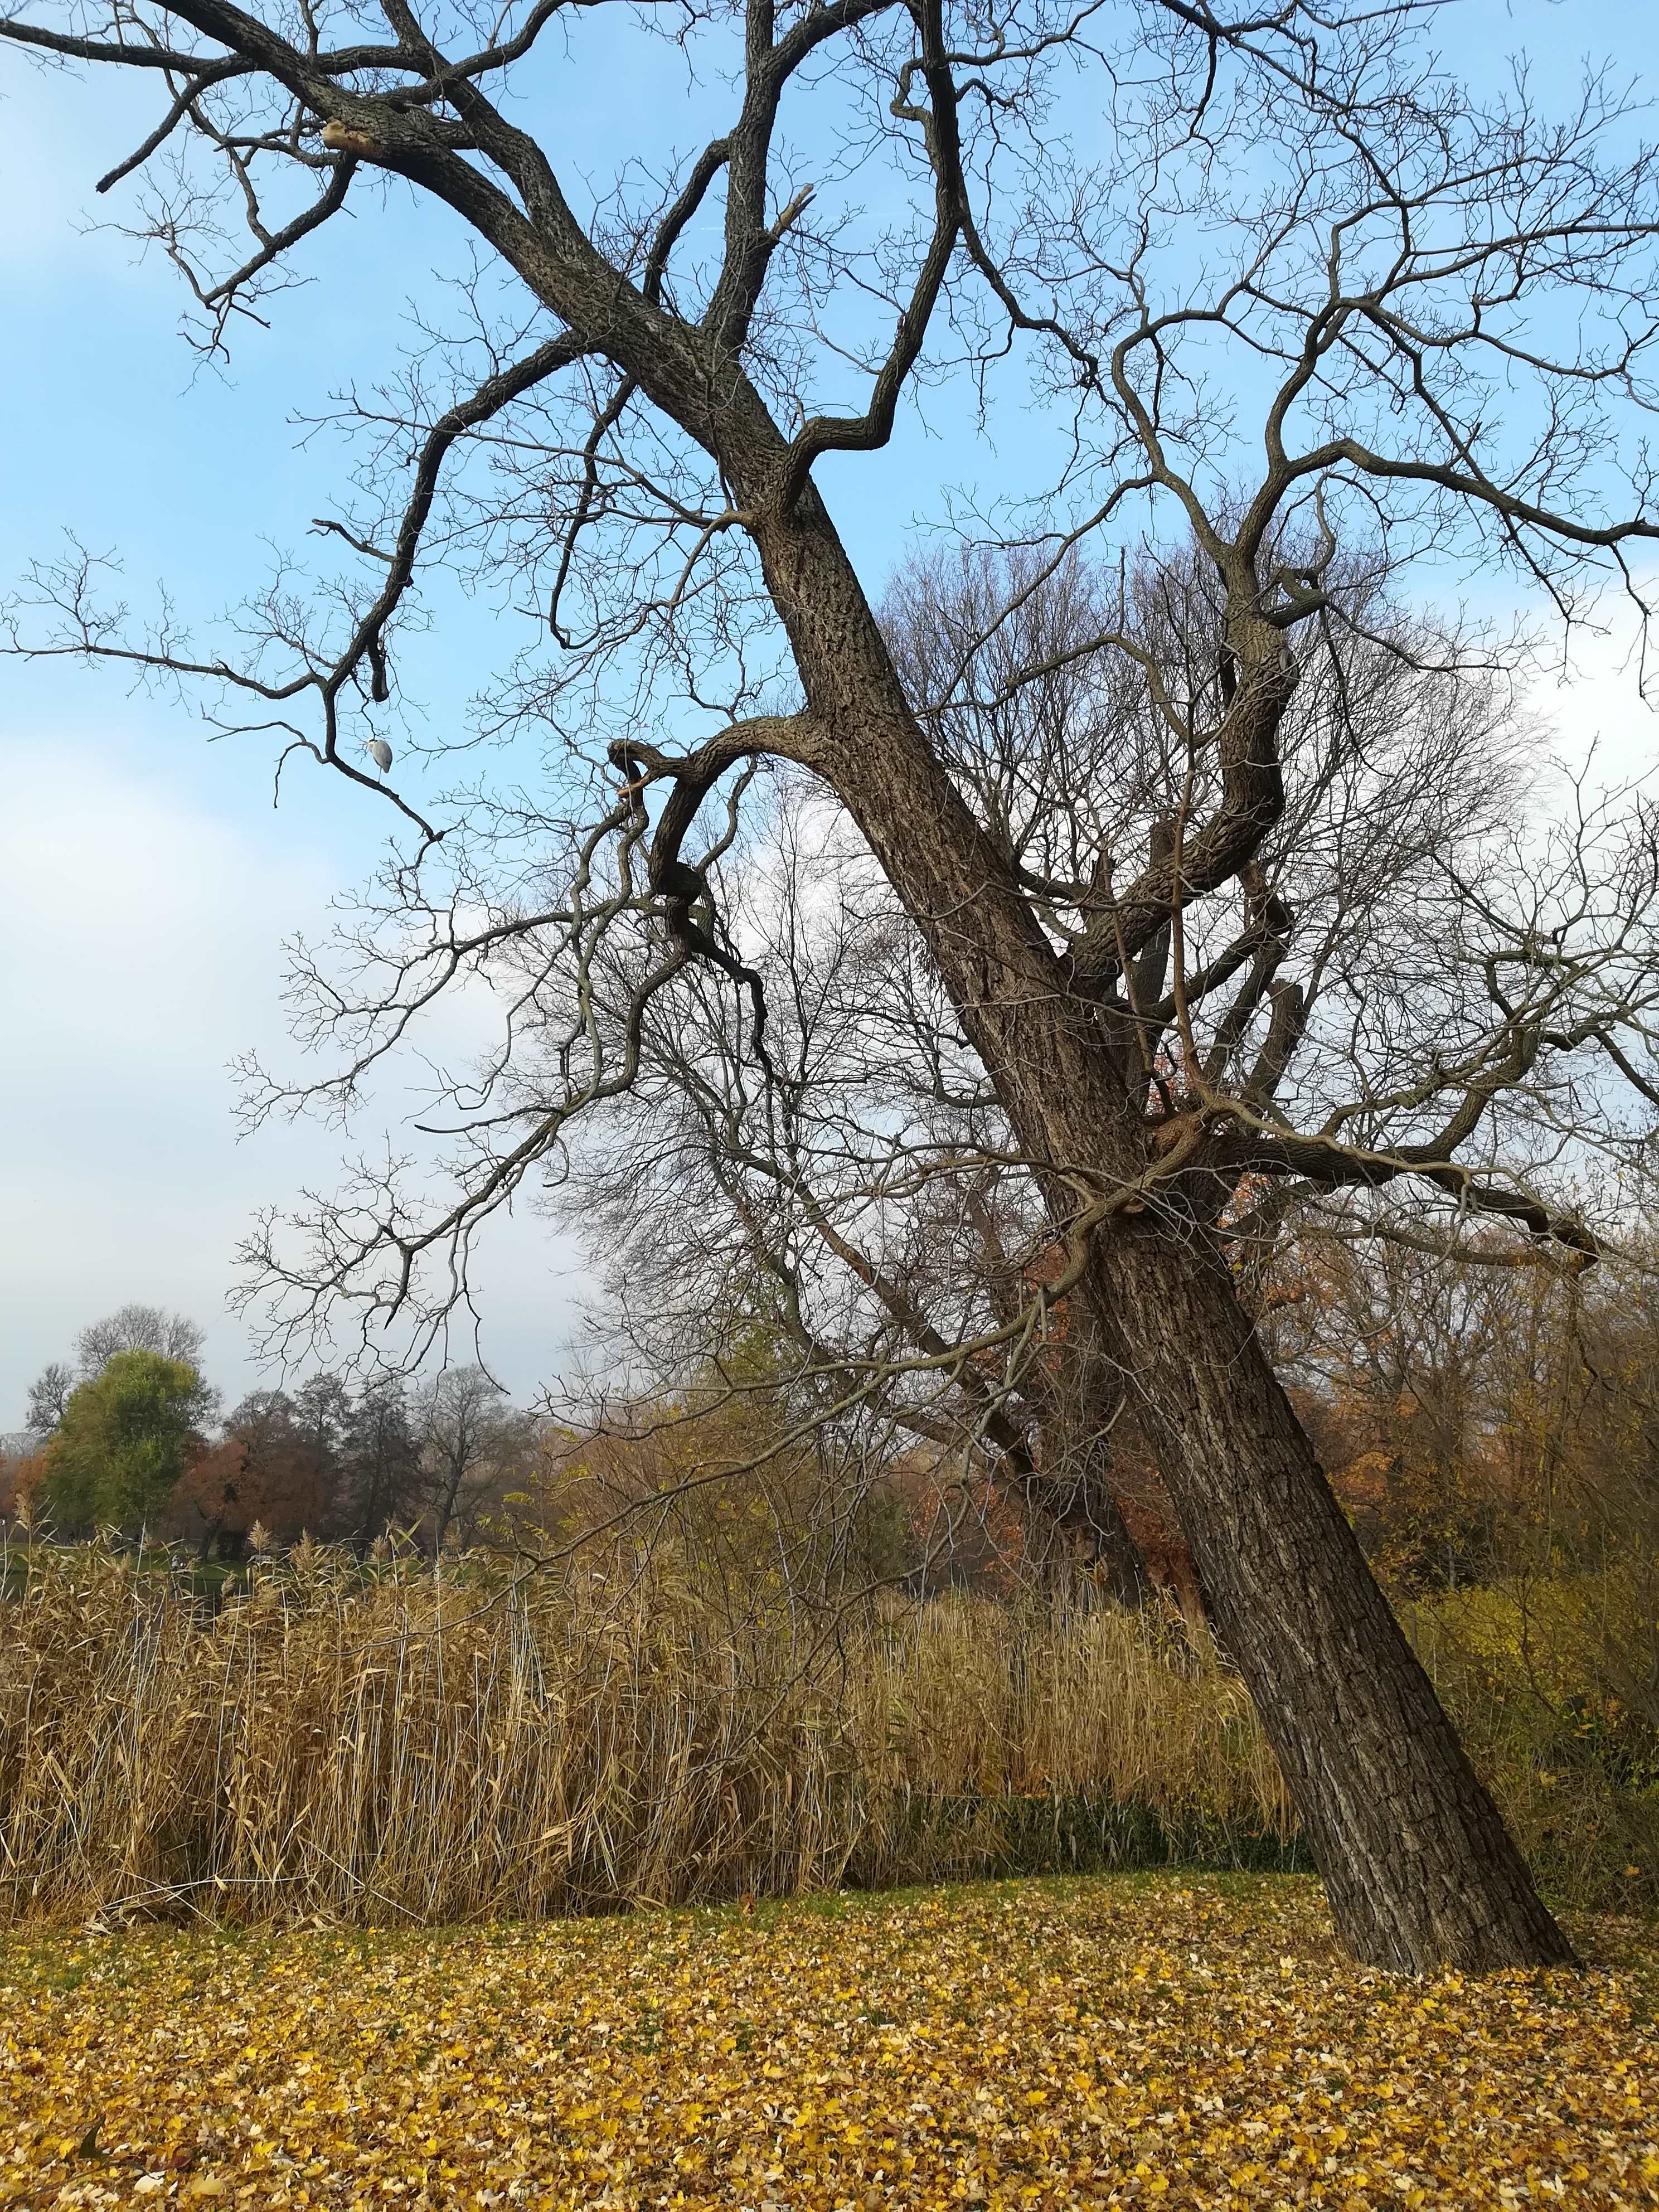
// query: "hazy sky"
[[145, 884]]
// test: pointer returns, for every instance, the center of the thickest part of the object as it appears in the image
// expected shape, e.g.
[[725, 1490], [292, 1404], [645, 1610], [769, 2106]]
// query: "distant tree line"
[[119, 1438], [1476, 1421]]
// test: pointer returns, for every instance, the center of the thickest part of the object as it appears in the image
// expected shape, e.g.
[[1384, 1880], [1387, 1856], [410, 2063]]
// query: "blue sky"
[[146, 884]]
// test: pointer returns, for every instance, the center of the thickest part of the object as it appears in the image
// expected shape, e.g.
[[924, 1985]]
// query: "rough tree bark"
[[1417, 1863]]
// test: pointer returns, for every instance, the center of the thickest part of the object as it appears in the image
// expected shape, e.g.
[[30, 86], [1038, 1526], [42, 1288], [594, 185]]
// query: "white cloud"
[[1596, 702], [144, 936]]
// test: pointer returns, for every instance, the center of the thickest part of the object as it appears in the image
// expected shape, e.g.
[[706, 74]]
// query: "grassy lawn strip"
[[1176, 2041]]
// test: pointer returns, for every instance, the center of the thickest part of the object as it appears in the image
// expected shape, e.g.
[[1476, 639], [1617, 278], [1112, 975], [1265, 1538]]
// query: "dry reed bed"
[[407, 1745]]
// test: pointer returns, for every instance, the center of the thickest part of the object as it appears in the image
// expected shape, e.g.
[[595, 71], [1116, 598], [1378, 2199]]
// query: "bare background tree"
[[1309, 323], [872, 1197], [473, 1448], [132, 1327]]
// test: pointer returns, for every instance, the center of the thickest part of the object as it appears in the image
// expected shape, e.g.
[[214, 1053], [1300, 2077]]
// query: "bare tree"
[[138, 1329], [874, 1197], [133, 1327], [1304, 303], [49, 1393], [469, 1438]]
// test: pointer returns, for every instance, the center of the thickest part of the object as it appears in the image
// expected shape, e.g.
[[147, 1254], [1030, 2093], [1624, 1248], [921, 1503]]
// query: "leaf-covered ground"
[[1040, 2044]]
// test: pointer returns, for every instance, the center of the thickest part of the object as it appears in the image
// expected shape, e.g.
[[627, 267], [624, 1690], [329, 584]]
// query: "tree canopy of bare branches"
[[1302, 321]]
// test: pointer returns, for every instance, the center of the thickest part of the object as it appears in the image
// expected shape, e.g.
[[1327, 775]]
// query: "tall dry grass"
[[402, 1743]]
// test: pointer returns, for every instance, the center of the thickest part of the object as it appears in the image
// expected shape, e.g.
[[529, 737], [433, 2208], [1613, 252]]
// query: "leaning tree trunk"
[[1418, 1866]]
